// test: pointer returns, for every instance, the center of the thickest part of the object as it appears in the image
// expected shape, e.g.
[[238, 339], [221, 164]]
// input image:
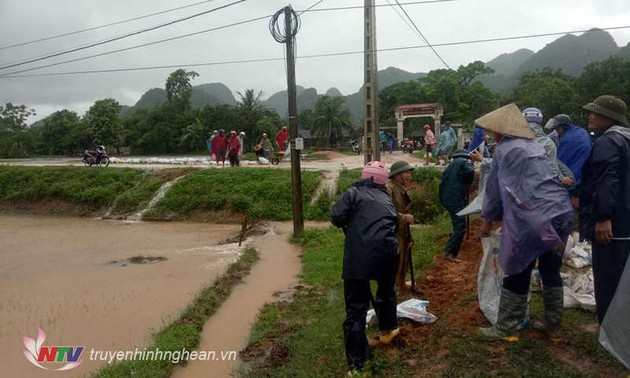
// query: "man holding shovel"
[[399, 183]]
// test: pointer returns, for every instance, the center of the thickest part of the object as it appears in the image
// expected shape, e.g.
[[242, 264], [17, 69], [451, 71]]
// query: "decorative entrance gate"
[[433, 110]]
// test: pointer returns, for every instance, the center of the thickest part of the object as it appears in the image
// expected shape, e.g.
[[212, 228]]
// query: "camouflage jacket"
[[402, 203]]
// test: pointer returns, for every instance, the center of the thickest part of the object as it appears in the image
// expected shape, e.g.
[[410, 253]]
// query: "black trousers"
[[549, 266], [357, 295], [459, 231], [608, 264]]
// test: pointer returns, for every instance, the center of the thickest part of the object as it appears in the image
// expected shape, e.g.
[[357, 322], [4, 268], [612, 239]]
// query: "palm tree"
[[249, 100], [330, 120]]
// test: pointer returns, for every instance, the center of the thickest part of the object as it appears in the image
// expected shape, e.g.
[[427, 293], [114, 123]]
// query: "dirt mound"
[[447, 287]]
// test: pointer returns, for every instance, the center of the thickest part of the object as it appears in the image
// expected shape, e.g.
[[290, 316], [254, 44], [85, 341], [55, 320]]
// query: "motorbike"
[[355, 146], [98, 157]]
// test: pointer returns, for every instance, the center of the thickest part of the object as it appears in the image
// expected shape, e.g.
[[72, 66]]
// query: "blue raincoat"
[[523, 191], [574, 148], [448, 138], [477, 138]]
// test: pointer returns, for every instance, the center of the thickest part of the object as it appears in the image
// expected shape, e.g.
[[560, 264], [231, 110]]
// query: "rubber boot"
[[512, 308], [553, 300]]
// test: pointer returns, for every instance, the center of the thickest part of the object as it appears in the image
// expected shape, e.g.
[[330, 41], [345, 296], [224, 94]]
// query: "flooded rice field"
[[103, 285]]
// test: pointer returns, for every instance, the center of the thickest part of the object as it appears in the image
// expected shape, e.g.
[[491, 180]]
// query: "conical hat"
[[506, 120]]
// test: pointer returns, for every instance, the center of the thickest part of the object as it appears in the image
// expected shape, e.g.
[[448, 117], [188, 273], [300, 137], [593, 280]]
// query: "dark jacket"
[[605, 186], [455, 178], [368, 218]]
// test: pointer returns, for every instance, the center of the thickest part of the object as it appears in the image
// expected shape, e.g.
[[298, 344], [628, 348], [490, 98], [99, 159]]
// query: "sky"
[[324, 31]]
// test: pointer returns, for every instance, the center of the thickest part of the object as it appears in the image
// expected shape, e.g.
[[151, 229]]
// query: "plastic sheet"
[[490, 280], [413, 309], [615, 330]]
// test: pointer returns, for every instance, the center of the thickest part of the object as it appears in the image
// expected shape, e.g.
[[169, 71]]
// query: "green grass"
[[185, 332], [126, 189], [258, 192]]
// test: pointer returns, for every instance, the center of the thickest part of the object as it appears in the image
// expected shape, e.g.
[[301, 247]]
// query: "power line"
[[102, 26], [138, 46], [403, 18], [137, 32], [324, 55], [173, 38], [159, 13], [150, 43], [422, 35], [381, 5]]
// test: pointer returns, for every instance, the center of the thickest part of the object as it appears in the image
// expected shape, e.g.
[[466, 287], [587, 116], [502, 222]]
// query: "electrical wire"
[[137, 46], [274, 25], [380, 5], [196, 33], [103, 26], [422, 35], [310, 8], [324, 55], [180, 8], [403, 18], [137, 32]]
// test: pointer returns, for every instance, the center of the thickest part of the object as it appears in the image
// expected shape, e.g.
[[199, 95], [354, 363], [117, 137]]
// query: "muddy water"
[[228, 330], [58, 274]]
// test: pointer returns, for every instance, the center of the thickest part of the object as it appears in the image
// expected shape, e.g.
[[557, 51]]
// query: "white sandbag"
[[490, 278], [579, 256], [579, 290], [614, 334]]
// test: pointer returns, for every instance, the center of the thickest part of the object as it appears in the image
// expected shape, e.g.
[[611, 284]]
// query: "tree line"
[[174, 127]]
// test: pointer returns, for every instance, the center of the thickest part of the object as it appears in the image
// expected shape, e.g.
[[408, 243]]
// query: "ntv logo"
[[35, 353]]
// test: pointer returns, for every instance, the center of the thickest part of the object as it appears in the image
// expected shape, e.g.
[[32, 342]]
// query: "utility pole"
[[370, 86], [290, 30]]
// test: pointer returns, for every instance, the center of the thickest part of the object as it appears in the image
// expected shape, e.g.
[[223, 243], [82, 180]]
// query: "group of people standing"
[[222, 146], [527, 190], [443, 148]]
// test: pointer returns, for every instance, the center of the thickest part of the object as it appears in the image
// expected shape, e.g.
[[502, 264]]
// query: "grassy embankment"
[[216, 195], [304, 338]]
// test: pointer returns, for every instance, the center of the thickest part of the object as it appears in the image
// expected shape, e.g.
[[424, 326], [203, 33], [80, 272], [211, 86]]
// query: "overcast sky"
[[322, 32]]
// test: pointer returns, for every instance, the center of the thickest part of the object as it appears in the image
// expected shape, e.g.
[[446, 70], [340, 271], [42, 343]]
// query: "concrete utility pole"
[[370, 86], [290, 30]]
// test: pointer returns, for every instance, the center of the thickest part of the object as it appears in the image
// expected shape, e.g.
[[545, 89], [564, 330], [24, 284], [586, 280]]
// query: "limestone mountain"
[[202, 95], [569, 53]]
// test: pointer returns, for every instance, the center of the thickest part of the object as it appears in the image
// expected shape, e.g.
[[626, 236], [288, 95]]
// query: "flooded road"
[[71, 278]]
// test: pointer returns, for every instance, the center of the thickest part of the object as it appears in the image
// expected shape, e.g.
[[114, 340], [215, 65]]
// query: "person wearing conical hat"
[[523, 192], [605, 197], [455, 181]]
